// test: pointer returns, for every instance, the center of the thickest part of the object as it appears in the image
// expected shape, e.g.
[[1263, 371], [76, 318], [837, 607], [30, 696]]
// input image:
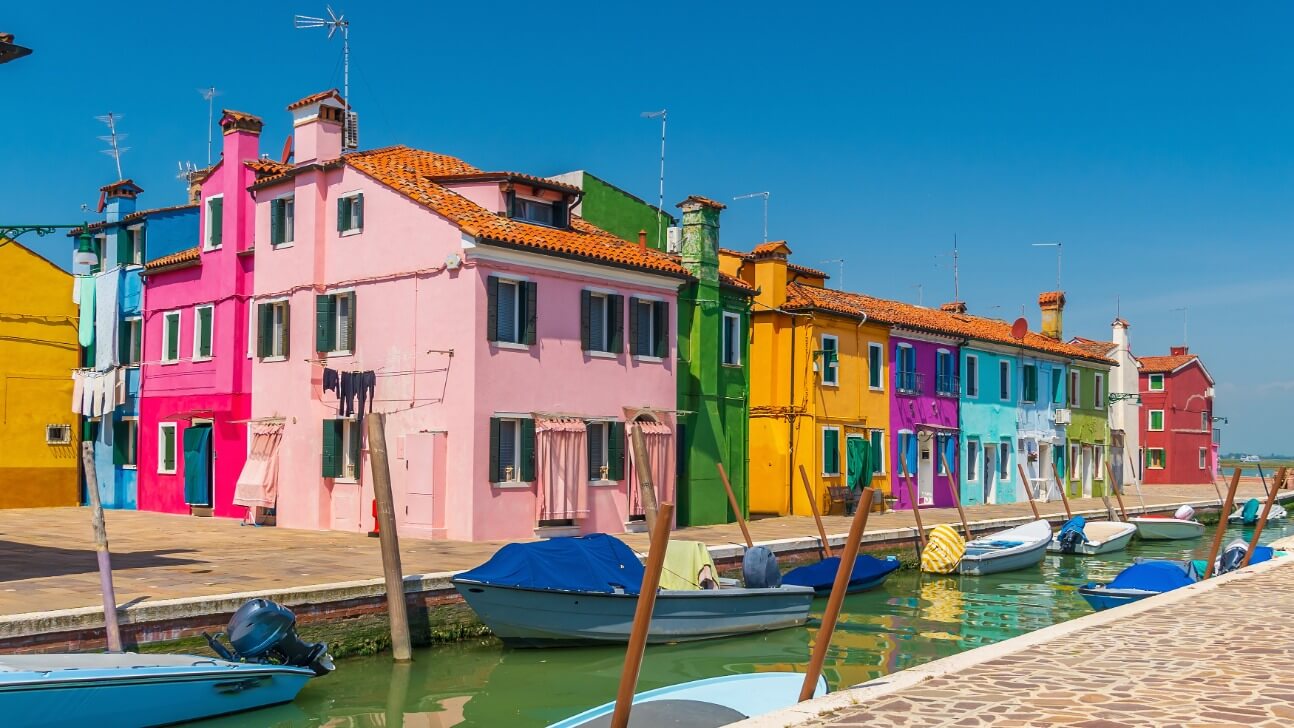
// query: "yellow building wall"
[[38, 351]]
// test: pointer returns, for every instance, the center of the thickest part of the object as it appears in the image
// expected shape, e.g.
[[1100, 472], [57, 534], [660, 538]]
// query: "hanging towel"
[[120, 389], [108, 391], [105, 325], [83, 405], [77, 382], [85, 326]]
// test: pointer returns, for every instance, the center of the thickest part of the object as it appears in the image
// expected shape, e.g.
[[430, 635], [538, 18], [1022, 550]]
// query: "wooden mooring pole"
[[1117, 488], [1064, 497], [1024, 478], [957, 495], [642, 467], [110, 626], [1222, 524], [642, 616], [817, 518], [1277, 483], [736, 509], [396, 607]]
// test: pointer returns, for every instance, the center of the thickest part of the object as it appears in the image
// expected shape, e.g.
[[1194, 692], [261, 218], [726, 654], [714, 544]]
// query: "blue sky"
[[1154, 139]]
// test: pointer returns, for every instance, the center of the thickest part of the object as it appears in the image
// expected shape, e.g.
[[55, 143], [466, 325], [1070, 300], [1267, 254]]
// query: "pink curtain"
[[561, 468], [258, 484], [659, 438]]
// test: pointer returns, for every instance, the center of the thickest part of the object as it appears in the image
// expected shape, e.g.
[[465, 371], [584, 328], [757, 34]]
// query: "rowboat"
[[1166, 528], [708, 703], [869, 572], [1089, 538], [1009, 550], [584, 590], [1142, 579], [1248, 514]]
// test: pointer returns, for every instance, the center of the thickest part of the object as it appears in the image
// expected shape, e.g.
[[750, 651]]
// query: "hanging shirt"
[[85, 325]]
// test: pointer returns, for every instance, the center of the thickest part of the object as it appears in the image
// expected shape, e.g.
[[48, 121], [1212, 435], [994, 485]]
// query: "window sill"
[[348, 233], [169, 363], [648, 359], [512, 485], [346, 481], [833, 385], [166, 472], [875, 389], [281, 246], [593, 354], [603, 483], [831, 475], [272, 359], [200, 359], [514, 346], [731, 365], [210, 248], [129, 467], [331, 354]]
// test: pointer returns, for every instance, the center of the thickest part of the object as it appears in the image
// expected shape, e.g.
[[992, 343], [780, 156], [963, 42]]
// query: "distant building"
[[1177, 419], [1124, 396]]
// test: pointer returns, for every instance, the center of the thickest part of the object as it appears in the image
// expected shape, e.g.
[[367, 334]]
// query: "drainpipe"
[[790, 432]]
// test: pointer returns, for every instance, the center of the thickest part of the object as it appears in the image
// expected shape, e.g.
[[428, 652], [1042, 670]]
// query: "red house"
[[1176, 419]]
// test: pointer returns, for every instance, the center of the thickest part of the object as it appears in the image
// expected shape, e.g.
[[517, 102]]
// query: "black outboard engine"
[[1231, 557], [265, 632], [1070, 541]]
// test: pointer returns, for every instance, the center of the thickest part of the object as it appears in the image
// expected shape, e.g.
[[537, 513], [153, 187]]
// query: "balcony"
[[907, 384], [947, 385]]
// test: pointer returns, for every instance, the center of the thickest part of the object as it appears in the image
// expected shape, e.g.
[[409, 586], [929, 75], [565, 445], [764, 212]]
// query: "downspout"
[[790, 432]]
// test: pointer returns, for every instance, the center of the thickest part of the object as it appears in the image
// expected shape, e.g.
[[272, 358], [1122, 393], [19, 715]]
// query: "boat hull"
[[1278, 513], [1101, 598], [1030, 551], [541, 618], [1167, 529], [1116, 542]]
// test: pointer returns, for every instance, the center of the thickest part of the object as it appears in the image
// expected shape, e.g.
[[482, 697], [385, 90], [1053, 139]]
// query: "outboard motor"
[[264, 632], [759, 569], [1231, 556], [1185, 513], [1072, 535]]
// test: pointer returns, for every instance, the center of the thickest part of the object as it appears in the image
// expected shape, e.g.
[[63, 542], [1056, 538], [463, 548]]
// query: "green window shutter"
[[354, 321], [285, 336], [217, 221], [528, 450], [331, 451], [276, 221], [590, 432], [532, 311], [325, 322], [343, 214], [203, 331], [356, 438], [615, 312], [123, 246], [633, 326], [141, 238], [123, 344], [492, 309], [615, 451], [830, 451], [661, 328], [357, 207], [586, 312], [168, 448], [173, 337], [119, 437], [512, 204], [264, 320], [495, 475]]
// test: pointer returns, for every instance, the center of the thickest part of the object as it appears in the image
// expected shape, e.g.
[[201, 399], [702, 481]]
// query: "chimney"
[[954, 307], [642, 241], [701, 237], [118, 199], [771, 276], [1052, 304], [317, 127], [1178, 350], [1120, 335]]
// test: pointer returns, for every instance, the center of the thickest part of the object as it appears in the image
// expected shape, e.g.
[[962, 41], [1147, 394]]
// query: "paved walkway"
[[1194, 657], [47, 555]]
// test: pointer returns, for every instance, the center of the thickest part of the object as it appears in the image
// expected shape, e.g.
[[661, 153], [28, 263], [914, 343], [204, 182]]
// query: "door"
[[197, 465], [1043, 471], [990, 474], [1087, 471], [925, 470], [420, 480], [858, 462]]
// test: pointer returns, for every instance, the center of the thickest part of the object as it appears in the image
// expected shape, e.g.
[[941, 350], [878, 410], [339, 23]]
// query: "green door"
[[197, 465], [858, 458]]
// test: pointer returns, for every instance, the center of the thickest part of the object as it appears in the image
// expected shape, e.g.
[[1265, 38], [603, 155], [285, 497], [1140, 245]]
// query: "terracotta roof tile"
[[768, 248], [184, 256], [1165, 364], [333, 94], [706, 201], [734, 282], [1099, 348], [121, 184], [134, 216], [1051, 298], [267, 167], [505, 177], [896, 313]]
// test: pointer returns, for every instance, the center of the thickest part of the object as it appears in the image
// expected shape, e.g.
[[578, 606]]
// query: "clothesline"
[[421, 272]]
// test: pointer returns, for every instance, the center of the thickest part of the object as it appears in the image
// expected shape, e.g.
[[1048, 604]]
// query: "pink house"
[[196, 386], [508, 342]]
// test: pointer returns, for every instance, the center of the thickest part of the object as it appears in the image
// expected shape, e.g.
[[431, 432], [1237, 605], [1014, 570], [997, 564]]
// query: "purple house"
[[923, 416]]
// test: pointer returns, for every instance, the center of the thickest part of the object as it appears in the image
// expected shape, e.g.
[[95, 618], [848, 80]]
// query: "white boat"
[[1248, 513], [1167, 528], [1009, 550], [1100, 537]]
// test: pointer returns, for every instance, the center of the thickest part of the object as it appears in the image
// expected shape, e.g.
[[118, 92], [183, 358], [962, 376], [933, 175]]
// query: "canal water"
[[914, 618]]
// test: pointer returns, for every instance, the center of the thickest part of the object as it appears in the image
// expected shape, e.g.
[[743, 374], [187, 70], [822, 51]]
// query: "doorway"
[[1087, 471], [198, 462], [1042, 472], [990, 474], [925, 469]]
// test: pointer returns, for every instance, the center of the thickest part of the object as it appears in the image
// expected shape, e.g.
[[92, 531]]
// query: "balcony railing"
[[947, 385], [907, 383]]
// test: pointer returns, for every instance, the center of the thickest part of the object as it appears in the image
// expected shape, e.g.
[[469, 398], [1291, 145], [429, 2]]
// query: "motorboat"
[[1088, 538], [1145, 578], [1179, 526], [1015, 548], [584, 590], [869, 572], [707, 703], [1249, 513], [266, 664], [1232, 556]]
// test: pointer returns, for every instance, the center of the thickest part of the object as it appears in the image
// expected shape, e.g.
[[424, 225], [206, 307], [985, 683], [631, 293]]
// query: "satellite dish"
[[1019, 329]]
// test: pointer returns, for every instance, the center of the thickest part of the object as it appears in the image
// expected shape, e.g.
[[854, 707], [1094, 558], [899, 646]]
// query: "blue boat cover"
[[1261, 554], [1076, 525], [593, 563], [1155, 576], [1249, 515], [823, 574]]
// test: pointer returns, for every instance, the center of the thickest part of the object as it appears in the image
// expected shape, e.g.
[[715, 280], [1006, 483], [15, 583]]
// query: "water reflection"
[[913, 619]]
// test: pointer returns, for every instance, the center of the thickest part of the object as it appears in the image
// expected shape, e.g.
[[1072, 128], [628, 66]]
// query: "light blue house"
[[112, 291], [1040, 445]]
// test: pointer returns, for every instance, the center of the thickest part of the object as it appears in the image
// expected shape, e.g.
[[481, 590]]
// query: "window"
[[272, 330], [1156, 420], [831, 451], [1074, 398], [58, 434], [1156, 382], [601, 322], [945, 379], [972, 460], [829, 360], [166, 448], [649, 328], [1098, 392], [125, 442], [350, 213], [731, 339], [905, 370], [1057, 386], [875, 366], [1204, 458], [340, 453], [283, 212], [335, 323], [1004, 380], [1204, 421], [99, 244], [972, 375], [1155, 459], [541, 212], [606, 450], [202, 320], [512, 450], [904, 463], [510, 314], [214, 234], [170, 337], [130, 340], [130, 245], [1098, 462], [1004, 460], [1074, 461], [1029, 382], [878, 451]]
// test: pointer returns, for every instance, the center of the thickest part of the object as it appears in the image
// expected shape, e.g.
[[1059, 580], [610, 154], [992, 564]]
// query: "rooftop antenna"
[[210, 95], [921, 294], [841, 262], [114, 139], [186, 172], [957, 295], [335, 22], [1058, 247], [753, 195], [1185, 342], [663, 115]]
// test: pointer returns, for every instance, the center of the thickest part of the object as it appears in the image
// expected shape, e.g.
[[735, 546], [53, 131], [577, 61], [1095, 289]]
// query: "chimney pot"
[[954, 307], [1179, 350], [1052, 304], [642, 241]]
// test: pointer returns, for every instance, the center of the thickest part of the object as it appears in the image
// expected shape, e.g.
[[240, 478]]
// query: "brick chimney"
[[1178, 350], [954, 307], [700, 252], [118, 199], [317, 127], [1052, 304]]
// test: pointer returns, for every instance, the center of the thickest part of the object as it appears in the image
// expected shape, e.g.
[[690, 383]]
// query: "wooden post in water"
[[736, 510], [1024, 478], [110, 627], [817, 518], [912, 498], [844, 573], [642, 617], [1140, 497], [396, 608], [1064, 497], [1116, 487], [957, 494], [1277, 483], [1222, 524], [646, 486]]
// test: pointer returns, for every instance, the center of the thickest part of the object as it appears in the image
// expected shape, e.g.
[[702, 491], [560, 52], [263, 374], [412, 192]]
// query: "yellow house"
[[811, 393], [38, 351]]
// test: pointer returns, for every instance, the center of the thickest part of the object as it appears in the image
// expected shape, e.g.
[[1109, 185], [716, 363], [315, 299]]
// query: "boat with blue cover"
[[869, 572], [584, 590], [1088, 538], [1143, 579], [1015, 548]]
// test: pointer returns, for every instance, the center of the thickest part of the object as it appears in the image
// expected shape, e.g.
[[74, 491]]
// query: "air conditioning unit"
[[1064, 416], [350, 136], [674, 240], [1208, 392]]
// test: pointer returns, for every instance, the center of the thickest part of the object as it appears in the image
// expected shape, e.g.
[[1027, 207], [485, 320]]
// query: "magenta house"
[[923, 416]]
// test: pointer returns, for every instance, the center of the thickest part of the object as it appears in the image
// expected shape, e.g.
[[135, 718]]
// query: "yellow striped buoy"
[[943, 551]]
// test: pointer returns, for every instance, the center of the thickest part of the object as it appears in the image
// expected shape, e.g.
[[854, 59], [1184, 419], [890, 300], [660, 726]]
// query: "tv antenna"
[[210, 95], [1059, 247], [114, 139], [187, 170], [921, 294], [663, 115], [840, 286], [956, 269], [752, 196], [335, 22]]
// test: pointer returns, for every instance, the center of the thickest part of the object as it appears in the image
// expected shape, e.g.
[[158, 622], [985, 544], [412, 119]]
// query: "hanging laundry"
[[120, 389], [84, 405], [78, 381], [330, 380], [365, 382], [105, 325], [84, 285]]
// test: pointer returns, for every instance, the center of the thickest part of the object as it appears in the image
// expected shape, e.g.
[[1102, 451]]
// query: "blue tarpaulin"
[[593, 563], [1155, 576], [1249, 515], [823, 574], [1074, 525]]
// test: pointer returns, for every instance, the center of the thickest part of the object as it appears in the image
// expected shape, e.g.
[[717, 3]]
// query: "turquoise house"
[[989, 420]]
